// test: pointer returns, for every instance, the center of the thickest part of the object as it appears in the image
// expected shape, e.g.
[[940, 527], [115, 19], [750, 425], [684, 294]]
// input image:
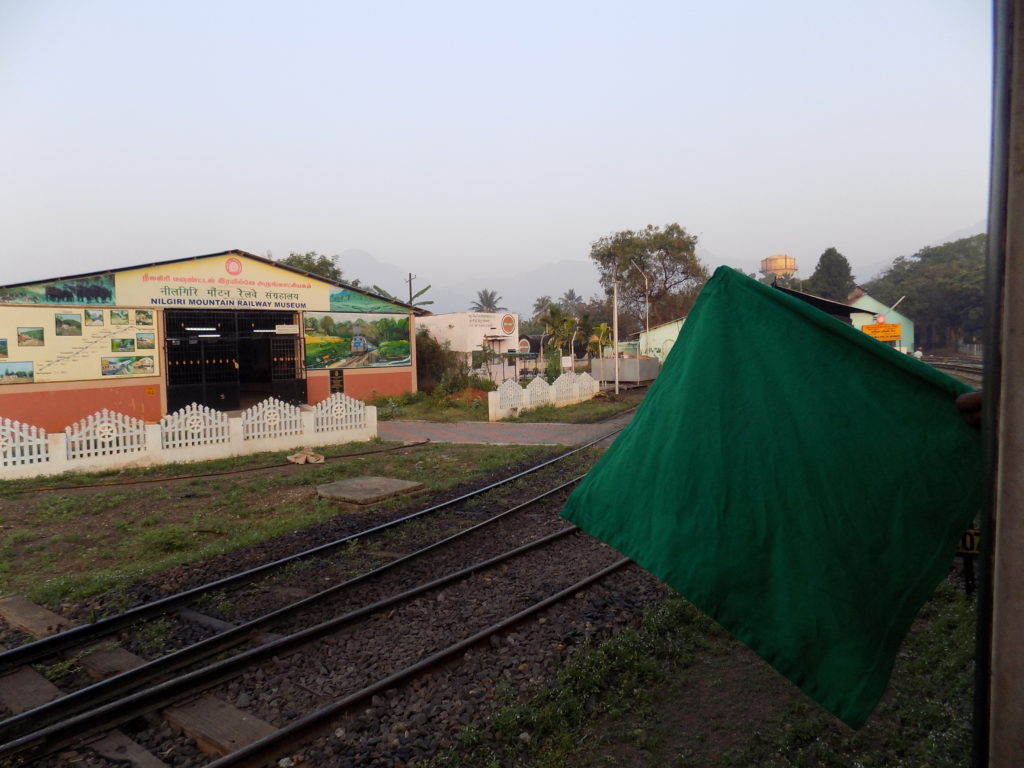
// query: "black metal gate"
[[287, 371], [204, 364]]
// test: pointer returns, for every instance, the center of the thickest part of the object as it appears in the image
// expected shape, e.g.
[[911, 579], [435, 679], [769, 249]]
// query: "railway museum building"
[[225, 330]]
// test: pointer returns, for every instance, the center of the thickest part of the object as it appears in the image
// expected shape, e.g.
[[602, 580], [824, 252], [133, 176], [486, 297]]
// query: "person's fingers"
[[969, 405]]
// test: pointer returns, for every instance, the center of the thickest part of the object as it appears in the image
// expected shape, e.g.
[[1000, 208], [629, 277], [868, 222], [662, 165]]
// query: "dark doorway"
[[228, 359]]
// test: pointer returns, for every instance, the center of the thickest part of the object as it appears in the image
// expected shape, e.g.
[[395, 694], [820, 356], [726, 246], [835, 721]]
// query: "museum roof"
[[233, 252]]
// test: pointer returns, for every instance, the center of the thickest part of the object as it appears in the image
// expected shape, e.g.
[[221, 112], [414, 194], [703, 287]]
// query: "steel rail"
[[255, 754], [53, 644], [107, 716], [120, 684]]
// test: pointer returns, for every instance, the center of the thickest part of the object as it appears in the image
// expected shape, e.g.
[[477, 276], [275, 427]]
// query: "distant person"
[[918, 353]]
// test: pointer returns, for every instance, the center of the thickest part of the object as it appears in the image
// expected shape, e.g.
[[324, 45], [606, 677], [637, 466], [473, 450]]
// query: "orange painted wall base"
[[361, 383], [53, 408]]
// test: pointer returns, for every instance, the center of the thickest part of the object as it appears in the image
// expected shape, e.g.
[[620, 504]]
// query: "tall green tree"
[[666, 256], [317, 263], [832, 277], [486, 301], [944, 286], [540, 304], [570, 301], [560, 324], [600, 338]]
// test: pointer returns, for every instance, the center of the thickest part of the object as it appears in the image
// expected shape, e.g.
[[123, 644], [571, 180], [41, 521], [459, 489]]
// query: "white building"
[[469, 332]]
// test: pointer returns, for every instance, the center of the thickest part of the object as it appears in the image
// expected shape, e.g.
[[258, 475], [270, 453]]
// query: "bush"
[[435, 363], [554, 367]]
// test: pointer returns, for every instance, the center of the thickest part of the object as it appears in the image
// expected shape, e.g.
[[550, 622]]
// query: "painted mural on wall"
[[50, 345], [97, 289], [336, 340], [345, 300]]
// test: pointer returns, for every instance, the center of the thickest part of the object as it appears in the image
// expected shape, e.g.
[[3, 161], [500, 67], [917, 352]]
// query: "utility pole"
[[615, 331], [647, 306]]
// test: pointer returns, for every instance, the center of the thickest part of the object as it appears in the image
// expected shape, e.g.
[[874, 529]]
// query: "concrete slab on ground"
[[367, 489]]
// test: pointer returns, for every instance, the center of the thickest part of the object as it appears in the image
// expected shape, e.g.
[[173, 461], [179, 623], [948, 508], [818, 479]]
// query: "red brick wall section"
[[53, 410], [365, 385], [318, 386]]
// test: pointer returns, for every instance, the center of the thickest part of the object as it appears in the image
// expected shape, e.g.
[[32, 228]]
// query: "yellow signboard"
[[970, 542], [884, 331], [231, 281]]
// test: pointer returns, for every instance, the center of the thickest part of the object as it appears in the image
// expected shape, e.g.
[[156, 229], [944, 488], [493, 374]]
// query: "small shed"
[[889, 317], [658, 342]]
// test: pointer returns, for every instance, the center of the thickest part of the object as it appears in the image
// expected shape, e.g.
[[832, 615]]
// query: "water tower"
[[778, 266]]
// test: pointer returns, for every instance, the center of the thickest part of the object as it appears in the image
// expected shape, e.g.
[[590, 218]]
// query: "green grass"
[[60, 546], [426, 406], [603, 681], [620, 704], [587, 412], [423, 406], [925, 720]]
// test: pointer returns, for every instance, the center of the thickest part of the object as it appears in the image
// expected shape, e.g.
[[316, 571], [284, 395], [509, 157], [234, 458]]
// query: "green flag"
[[800, 482]]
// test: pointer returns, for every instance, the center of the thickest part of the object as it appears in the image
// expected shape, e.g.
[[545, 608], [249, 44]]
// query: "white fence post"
[[109, 440]]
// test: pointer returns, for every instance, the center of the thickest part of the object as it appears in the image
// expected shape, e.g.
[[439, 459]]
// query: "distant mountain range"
[[876, 268], [517, 290]]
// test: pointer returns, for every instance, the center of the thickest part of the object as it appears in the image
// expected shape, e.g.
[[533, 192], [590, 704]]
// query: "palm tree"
[[585, 326], [570, 300], [560, 325], [602, 333], [486, 301], [540, 305], [413, 301]]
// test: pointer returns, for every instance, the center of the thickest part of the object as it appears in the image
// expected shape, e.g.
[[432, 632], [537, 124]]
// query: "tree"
[[570, 301], [317, 263], [560, 324], [486, 301], [832, 278], [435, 362], [541, 304], [944, 286], [414, 303], [601, 337], [666, 256]]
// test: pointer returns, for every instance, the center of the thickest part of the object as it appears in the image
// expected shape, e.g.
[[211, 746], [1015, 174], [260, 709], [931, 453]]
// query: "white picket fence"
[[511, 399], [339, 412], [22, 444], [105, 433], [110, 440], [271, 419], [194, 425]]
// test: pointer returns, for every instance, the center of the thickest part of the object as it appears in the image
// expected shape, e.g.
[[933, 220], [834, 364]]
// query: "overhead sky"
[[475, 140]]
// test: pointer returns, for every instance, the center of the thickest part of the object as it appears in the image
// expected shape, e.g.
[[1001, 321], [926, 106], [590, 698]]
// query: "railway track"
[[86, 634], [516, 534], [967, 370]]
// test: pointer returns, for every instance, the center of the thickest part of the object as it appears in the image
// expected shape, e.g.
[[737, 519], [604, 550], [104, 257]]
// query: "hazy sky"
[[481, 139]]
